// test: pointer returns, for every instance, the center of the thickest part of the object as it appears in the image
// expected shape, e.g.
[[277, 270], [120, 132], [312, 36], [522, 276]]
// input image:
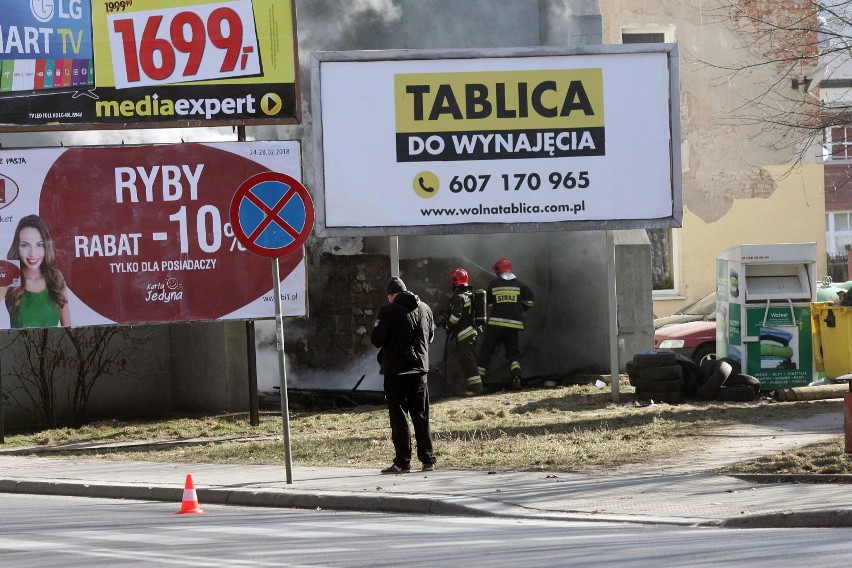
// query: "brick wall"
[[838, 187], [345, 294]]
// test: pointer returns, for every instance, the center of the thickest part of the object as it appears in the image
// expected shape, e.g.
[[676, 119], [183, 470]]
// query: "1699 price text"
[[515, 182], [211, 41]]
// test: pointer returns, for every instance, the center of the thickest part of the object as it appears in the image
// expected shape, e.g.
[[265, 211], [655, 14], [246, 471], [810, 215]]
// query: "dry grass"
[[574, 428], [827, 458]]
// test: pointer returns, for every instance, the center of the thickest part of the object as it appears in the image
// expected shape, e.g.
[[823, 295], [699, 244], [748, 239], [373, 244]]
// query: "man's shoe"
[[396, 469], [428, 467], [516, 383]]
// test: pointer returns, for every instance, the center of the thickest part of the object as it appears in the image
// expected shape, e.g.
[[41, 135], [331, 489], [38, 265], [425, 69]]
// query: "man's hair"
[[395, 285]]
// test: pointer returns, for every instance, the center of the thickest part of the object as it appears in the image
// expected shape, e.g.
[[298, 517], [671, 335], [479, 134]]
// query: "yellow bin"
[[831, 333]]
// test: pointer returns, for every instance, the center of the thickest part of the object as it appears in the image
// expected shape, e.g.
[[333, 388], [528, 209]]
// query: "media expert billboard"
[[70, 64], [496, 140], [139, 234]]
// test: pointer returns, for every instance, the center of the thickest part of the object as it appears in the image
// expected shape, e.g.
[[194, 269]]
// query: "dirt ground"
[[742, 442]]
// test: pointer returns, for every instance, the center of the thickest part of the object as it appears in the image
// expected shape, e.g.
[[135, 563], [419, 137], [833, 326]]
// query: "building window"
[[639, 37], [664, 250], [838, 143], [838, 232]]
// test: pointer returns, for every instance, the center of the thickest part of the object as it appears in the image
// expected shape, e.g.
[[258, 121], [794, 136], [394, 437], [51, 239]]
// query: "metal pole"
[[251, 352], [251, 356], [394, 255], [282, 369], [613, 314]]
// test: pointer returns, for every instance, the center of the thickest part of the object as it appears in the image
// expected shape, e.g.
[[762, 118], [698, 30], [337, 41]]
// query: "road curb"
[[249, 498], [807, 519], [442, 506]]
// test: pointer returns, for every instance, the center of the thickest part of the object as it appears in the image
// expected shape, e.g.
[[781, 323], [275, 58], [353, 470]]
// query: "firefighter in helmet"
[[460, 325], [508, 299]]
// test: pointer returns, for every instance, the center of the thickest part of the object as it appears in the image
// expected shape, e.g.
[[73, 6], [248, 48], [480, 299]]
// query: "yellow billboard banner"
[[499, 100], [491, 115]]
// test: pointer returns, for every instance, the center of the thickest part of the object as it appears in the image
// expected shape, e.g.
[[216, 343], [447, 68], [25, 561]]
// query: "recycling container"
[[763, 312]]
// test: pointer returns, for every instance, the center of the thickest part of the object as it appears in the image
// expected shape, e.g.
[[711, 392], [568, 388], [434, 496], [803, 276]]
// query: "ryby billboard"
[[136, 234], [66, 64]]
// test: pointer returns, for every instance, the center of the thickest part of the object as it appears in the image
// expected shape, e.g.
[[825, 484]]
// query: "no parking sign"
[[272, 214]]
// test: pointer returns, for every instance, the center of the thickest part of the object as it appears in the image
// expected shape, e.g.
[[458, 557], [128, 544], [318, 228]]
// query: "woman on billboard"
[[41, 299]]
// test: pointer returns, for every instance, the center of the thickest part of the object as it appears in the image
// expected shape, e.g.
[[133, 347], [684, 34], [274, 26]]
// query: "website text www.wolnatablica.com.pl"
[[510, 209]]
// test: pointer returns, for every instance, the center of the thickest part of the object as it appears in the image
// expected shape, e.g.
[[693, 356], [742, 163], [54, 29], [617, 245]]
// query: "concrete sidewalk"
[[679, 494]]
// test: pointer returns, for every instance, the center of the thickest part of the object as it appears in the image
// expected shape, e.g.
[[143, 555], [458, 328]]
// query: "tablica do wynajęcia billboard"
[[496, 140], [136, 234], [72, 64]]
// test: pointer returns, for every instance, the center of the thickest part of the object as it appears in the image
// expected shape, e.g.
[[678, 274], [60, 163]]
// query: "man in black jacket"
[[403, 331]]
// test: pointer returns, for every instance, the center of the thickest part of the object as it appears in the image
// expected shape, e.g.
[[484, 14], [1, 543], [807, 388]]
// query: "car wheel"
[[703, 353]]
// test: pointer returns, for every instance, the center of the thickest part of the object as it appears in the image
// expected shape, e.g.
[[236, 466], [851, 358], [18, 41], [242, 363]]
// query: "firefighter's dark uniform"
[[507, 301], [460, 326]]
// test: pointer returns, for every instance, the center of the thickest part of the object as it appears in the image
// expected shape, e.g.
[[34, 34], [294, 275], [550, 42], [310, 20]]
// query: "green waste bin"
[[831, 330]]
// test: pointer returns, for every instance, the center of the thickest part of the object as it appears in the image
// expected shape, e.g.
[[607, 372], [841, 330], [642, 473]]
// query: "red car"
[[695, 339]]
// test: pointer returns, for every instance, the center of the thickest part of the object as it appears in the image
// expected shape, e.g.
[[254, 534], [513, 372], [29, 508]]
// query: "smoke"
[[332, 25], [268, 371]]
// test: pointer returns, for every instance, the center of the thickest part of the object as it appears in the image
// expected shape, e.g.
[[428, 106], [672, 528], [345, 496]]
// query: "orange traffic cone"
[[189, 506]]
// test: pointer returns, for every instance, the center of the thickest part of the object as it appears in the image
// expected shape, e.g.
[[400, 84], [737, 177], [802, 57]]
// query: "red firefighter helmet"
[[502, 266], [458, 277]]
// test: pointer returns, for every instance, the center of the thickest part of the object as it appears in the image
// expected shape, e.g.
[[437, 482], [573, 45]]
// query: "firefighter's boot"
[[516, 375]]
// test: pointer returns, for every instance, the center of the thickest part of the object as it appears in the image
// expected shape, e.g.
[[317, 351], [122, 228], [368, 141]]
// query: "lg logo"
[[44, 10]]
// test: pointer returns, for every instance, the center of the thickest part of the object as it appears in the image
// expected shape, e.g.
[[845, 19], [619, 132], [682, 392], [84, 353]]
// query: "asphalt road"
[[45, 531]]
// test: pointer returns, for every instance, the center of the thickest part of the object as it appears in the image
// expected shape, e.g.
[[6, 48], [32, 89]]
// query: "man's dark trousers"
[[408, 395]]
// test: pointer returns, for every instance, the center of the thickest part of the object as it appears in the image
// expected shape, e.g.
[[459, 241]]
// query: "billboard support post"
[[613, 314], [393, 242], [251, 361], [251, 351]]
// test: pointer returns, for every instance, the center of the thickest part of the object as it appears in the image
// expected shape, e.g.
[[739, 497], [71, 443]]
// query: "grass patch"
[[575, 428], [828, 458]]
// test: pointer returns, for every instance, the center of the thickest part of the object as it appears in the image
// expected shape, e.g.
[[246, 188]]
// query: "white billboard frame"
[[333, 180]]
